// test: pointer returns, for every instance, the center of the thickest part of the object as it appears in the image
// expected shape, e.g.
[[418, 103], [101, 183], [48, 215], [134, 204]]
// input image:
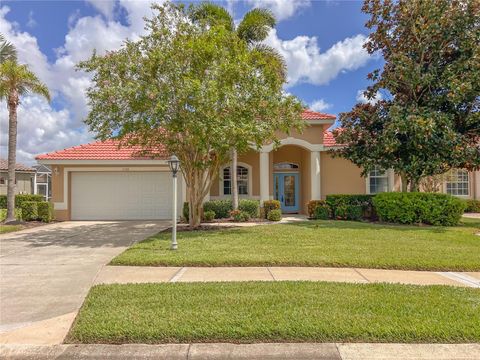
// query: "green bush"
[[20, 199], [45, 211], [3, 214], [312, 205], [416, 208], [29, 210], [274, 215], [221, 208], [252, 207], [209, 215], [186, 211], [338, 202], [349, 212], [322, 212], [472, 206], [239, 216], [269, 205]]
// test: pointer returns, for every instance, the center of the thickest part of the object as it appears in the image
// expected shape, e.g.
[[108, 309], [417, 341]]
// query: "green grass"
[[277, 312], [9, 228], [317, 243]]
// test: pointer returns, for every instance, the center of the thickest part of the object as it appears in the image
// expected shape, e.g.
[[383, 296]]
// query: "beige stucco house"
[[24, 178], [98, 181]]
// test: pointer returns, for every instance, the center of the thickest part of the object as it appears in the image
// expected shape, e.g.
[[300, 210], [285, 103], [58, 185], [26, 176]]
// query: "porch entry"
[[286, 189]]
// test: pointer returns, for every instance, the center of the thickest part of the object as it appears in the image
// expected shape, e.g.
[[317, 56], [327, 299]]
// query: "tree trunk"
[[414, 185], [12, 149], [233, 176], [404, 178]]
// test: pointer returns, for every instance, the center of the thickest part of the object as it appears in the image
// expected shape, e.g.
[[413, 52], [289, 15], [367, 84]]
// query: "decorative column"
[[264, 177], [391, 180], [477, 184], [315, 182]]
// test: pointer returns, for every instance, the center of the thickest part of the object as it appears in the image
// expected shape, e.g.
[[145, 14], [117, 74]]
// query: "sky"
[[322, 42]]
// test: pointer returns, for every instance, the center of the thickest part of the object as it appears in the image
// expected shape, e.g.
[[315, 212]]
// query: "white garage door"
[[121, 195]]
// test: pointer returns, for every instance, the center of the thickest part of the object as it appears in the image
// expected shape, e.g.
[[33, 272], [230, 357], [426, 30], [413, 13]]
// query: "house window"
[[378, 181], [2, 180], [457, 182], [285, 166], [242, 181]]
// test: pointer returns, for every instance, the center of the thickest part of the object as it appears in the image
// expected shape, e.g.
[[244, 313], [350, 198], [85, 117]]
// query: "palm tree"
[[253, 29], [16, 80], [7, 50]]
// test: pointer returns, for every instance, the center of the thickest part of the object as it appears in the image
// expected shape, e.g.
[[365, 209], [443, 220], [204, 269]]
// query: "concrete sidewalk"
[[272, 351], [146, 274]]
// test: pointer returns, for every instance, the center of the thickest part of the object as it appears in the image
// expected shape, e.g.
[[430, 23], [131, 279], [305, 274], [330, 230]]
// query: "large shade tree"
[[16, 80], [429, 121], [253, 29], [193, 88]]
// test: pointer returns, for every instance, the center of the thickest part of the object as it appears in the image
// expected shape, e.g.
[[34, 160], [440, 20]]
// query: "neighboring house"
[[43, 181], [24, 178], [98, 181]]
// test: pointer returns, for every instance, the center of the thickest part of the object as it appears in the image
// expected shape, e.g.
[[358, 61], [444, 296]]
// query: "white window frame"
[[249, 179], [447, 176], [389, 175]]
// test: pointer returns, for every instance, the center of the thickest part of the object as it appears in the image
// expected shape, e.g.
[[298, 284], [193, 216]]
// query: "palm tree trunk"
[[12, 149], [233, 175]]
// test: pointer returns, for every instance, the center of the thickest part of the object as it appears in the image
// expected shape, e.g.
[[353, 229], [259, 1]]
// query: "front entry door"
[[286, 190]]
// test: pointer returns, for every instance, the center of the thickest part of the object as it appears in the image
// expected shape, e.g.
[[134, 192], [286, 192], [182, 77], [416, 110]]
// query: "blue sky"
[[321, 41]]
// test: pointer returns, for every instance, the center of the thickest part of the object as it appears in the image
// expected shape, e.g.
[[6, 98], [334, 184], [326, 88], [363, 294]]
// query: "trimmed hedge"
[[274, 215], [269, 205], [472, 206], [251, 207], [20, 199], [239, 216], [209, 215], [312, 206], [419, 208], [322, 212], [3, 214], [221, 208], [349, 212], [29, 210], [343, 200], [45, 211]]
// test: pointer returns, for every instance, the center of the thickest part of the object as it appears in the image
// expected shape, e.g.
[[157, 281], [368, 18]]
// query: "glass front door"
[[286, 190]]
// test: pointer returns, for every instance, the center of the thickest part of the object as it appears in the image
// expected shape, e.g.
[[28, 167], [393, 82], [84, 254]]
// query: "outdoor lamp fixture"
[[174, 165]]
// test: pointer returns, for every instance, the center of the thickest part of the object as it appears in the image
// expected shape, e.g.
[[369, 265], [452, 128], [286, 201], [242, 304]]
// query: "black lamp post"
[[174, 165]]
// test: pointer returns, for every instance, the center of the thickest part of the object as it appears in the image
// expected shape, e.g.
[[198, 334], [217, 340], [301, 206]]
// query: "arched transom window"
[[285, 166], [242, 180]]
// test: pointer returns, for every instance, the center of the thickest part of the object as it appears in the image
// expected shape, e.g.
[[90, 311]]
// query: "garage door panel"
[[121, 195]]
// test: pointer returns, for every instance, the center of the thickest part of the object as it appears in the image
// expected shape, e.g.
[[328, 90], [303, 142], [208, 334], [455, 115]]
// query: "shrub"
[[412, 208], [209, 215], [239, 216], [252, 207], [186, 211], [274, 215], [472, 206], [20, 199], [269, 205], [3, 214], [349, 212], [30, 210], [45, 211], [341, 201], [322, 212], [221, 208], [312, 205]]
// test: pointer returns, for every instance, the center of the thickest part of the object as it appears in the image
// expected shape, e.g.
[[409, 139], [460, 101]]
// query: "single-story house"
[[24, 178], [99, 181]]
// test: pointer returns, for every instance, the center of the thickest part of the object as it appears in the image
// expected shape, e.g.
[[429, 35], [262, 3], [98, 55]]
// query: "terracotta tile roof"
[[108, 150], [18, 167], [314, 115], [100, 150], [328, 139]]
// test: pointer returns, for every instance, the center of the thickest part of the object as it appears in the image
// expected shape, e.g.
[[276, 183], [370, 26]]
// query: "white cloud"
[[307, 64], [106, 7], [282, 9], [361, 98], [320, 105], [31, 23]]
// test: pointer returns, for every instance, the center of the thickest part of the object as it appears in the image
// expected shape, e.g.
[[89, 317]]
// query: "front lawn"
[[317, 243], [9, 228], [277, 312]]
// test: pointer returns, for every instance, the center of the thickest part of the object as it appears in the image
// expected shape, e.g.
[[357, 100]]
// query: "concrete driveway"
[[46, 272]]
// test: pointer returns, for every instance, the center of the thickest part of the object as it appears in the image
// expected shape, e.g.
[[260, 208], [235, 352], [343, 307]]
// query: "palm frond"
[[19, 78], [273, 58], [255, 25], [211, 14], [7, 50]]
